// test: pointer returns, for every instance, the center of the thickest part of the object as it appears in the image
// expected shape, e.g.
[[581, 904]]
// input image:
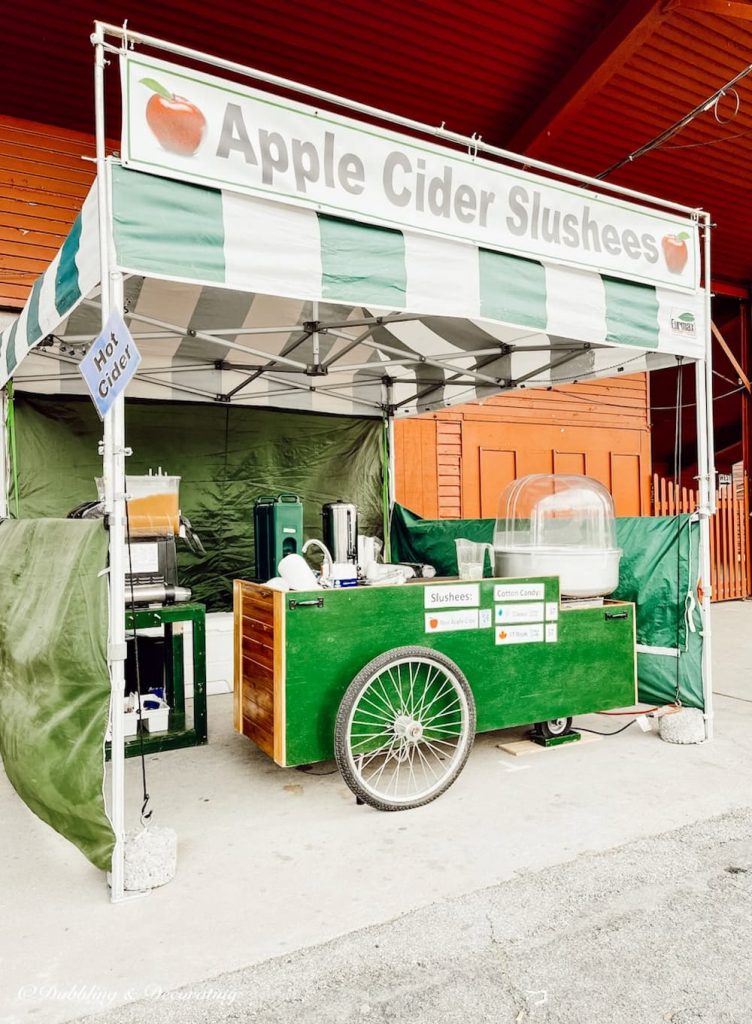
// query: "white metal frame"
[[113, 448]]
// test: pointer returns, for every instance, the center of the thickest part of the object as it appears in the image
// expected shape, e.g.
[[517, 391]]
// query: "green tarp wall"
[[226, 456], [659, 565], [54, 683]]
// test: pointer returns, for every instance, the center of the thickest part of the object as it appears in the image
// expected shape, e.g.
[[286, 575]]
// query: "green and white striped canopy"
[[237, 299]]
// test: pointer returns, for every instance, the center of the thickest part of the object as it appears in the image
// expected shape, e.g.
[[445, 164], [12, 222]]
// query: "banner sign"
[[195, 127]]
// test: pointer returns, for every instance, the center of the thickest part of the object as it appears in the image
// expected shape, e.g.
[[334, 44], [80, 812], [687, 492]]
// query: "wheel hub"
[[408, 729]]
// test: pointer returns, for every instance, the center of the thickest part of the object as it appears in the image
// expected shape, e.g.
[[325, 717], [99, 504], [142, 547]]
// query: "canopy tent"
[[232, 298], [266, 301]]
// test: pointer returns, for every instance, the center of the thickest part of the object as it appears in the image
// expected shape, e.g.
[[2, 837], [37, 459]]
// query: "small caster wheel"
[[553, 728]]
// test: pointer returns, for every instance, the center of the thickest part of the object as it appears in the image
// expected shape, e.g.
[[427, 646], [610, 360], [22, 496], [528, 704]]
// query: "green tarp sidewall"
[[225, 457], [54, 680], [659, 565]]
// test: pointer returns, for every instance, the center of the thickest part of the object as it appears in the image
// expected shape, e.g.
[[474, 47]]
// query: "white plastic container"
[[155, 719], [558, 525]]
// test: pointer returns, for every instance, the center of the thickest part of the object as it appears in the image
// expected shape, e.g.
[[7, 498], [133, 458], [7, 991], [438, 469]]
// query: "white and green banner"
[[189, 125], [222, 290]]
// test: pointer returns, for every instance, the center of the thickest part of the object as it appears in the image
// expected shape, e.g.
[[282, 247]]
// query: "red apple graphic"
[[675, 251], [178, 124]]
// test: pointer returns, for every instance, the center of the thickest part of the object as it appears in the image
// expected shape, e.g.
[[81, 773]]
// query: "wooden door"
[[495, 453]]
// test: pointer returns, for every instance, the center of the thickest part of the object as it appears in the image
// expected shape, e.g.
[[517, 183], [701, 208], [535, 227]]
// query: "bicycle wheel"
[[404, 728]]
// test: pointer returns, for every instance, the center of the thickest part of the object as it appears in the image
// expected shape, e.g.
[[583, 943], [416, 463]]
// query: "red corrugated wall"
[[43, 181]]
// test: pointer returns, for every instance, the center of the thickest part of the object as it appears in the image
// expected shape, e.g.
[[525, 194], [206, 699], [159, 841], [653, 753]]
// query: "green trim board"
[[568, 663]]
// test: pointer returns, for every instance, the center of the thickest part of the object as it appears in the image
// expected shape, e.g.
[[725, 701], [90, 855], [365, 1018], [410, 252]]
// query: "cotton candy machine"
[[553, 524]]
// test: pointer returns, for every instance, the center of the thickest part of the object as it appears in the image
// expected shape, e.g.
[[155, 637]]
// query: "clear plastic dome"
[[558, 525]]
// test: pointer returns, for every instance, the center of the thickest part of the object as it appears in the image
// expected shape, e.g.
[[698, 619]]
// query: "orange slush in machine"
[[153, 523]]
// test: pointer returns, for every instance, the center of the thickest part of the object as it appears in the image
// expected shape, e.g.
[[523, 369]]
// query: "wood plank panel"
[[416, 483], [730, 556], [497, 469], [625, 484], [569, 462], [255, 674], [261, 653], [258, 609]]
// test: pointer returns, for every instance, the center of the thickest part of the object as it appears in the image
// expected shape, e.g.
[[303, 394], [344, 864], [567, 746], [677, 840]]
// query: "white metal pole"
[[4, 462], [392, 464], [706, 475], [391, 469], [112, 472]]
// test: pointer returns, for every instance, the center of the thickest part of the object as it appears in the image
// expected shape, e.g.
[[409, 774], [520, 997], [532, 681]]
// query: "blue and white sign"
[[110, 364]]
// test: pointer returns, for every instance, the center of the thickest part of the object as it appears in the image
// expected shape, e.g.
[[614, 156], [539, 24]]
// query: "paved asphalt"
[[658, 930]]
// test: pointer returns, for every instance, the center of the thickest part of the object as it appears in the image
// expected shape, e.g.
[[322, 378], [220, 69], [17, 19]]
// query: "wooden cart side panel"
[[280, 725], [255, 629], [237, 667]]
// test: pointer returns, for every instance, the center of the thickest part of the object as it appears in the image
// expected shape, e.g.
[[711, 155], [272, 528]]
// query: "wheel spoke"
[[382, 712], [424, 760], [398, 687], [450, 709], [411, 705], [387, 757], [383, 749], [366, 717], [363, 737], [391, 706], [417, 712], [445, 687], [440, 755]]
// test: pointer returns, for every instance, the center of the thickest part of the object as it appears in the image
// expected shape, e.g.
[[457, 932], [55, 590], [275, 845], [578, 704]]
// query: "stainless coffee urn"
[[340, 529]]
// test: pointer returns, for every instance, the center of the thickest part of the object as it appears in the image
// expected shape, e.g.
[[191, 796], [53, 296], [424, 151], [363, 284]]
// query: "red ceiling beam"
[[729, 290], [625, 33], [726, 8]]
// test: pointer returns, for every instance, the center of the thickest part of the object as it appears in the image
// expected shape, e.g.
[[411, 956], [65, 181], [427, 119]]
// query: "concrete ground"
[[658, 930], [272, 861]]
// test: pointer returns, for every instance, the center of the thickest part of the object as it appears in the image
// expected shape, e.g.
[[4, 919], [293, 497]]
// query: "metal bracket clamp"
[[117, 652], [316, 603], [127, 452]]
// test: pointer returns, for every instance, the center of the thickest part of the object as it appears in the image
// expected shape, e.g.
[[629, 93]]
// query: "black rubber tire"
[[545, 730], [352, 694]]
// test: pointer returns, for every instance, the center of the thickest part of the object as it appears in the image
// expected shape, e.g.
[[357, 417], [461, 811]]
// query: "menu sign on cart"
[[185, 124]]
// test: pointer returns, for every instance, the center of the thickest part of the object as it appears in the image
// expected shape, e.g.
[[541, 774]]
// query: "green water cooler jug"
[[278, 531]]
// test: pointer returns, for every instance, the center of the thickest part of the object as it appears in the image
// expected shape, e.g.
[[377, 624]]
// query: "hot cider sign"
[[196, 127]]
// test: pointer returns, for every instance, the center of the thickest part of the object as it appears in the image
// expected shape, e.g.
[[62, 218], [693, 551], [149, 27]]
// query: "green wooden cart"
[[394, 682]]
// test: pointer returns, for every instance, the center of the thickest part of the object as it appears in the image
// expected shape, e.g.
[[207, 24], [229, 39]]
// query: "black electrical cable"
[[145, 814], [701, 108], [581, 728]]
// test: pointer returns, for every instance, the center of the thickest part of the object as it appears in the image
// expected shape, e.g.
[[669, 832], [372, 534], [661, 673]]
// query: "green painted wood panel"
[[590, 667]]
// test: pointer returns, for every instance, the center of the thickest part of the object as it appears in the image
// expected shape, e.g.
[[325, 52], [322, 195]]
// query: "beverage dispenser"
[[278, 531], [340, 530]]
